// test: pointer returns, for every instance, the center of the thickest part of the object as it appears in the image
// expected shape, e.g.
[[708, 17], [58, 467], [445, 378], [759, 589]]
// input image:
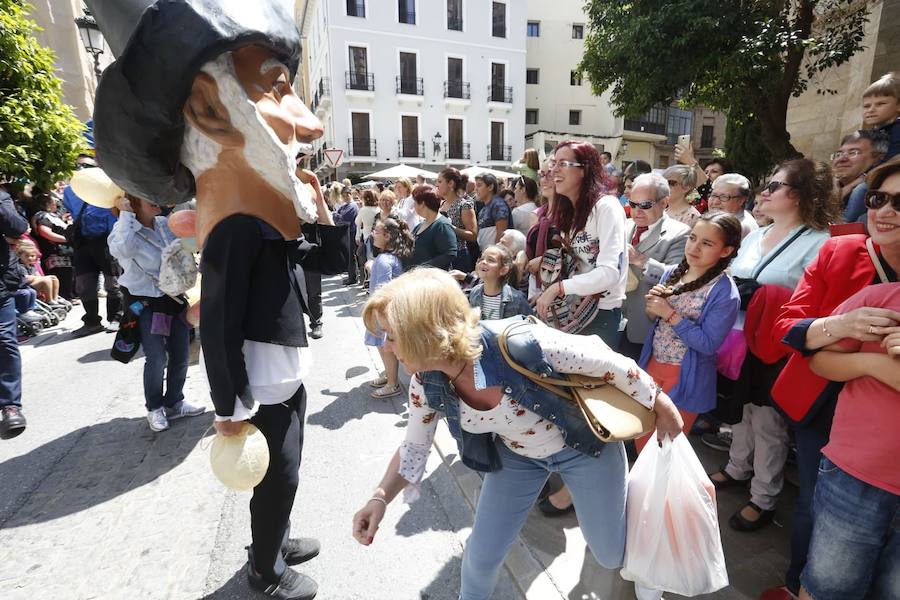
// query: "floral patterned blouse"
[[523, 431], [454, 213], [667, 346]]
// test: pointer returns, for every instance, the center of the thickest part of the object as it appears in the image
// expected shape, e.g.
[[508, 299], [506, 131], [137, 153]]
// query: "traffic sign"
[[334, 157]]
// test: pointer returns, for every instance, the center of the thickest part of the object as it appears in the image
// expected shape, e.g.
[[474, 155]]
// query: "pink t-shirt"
[[864, 440]]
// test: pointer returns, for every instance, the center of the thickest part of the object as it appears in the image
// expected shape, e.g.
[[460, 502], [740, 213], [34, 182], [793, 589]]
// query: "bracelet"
[[378, 499], [671, 316], [825, 329], [562, 292]]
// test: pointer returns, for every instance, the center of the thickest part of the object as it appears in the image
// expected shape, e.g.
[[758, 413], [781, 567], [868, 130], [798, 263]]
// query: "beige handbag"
[[611, 414]]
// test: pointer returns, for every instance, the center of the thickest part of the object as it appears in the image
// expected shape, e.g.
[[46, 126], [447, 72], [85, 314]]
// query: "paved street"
[[95, 505]]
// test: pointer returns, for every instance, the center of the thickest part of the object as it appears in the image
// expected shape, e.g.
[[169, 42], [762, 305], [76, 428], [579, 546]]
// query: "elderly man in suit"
[[655, 242]]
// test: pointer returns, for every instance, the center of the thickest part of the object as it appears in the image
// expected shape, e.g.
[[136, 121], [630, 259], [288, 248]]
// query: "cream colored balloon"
[[240, 461], [96, 188]]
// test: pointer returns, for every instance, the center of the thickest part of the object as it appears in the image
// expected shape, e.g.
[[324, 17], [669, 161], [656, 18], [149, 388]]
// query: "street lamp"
[[436, 145], [91, 37]]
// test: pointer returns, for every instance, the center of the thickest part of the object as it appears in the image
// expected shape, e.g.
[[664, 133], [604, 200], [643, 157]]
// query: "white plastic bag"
[[177, 269], [673, 541]]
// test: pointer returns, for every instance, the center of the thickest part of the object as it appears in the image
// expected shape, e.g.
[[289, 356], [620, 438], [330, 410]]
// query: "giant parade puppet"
[[199, 104]]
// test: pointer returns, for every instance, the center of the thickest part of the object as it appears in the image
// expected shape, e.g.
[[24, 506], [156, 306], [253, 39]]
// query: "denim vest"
[[491, 370]]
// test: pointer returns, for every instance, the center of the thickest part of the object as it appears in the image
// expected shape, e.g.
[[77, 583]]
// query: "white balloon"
[[95, 187], [240, 461]]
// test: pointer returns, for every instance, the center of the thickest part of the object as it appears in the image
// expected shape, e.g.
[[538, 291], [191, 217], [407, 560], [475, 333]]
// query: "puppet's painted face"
[[252, 96]]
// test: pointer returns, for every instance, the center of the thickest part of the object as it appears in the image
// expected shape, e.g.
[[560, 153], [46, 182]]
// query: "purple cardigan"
[[696, 388]]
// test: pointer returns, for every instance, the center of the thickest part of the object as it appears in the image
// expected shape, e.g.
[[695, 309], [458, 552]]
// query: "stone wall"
[[816, 121]]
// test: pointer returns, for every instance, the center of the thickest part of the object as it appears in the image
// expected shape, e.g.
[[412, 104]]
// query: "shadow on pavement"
[[236, 588], [93, 465], [446, 583], [349, 406]]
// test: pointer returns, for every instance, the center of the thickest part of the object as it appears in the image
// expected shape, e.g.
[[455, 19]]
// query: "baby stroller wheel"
[[61, 313]]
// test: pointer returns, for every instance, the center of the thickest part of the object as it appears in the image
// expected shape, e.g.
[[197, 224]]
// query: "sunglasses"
[[876, 199], [773, 186], [642, 205]]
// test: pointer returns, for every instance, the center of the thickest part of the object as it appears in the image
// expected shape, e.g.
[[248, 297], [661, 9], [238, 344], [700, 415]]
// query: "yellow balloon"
[[95, 187]]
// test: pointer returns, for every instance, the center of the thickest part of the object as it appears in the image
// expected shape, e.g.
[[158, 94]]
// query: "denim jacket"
[[512, 301], [478, 451]]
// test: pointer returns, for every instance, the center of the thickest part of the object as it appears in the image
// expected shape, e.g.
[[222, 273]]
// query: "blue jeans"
[[10, 360], [605, 325], [166, 356], [810, 441], [25, 299], [598, 491], [855, 547]]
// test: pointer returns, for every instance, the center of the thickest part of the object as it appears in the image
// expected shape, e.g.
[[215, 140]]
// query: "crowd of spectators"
[[741, 301]]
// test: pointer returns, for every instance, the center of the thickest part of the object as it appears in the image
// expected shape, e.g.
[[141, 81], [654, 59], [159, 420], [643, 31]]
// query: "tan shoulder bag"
[[611, 414]]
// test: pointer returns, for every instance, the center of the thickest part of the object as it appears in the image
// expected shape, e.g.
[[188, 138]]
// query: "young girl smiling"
[[695, 307], [494, 296]]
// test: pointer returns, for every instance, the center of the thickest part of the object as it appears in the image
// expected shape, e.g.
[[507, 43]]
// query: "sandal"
[[387, 392], [741, 523], [729, 481], [377, 383]]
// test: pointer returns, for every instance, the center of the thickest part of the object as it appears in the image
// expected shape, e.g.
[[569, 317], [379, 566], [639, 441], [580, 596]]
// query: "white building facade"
[[559, 103], [422, 82]]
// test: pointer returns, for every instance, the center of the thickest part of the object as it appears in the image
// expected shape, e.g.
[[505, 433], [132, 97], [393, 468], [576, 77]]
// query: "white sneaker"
[[185, 409], [157, 419]]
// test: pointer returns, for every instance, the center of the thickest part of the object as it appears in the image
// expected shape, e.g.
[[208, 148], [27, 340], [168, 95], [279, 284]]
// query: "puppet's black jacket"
[[253, 289]]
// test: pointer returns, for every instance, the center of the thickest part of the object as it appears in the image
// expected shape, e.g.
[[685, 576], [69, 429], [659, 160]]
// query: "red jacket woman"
[[842, 268]]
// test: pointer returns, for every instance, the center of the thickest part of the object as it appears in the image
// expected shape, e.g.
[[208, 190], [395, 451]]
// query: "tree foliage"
[[744, 57], [40, 137]]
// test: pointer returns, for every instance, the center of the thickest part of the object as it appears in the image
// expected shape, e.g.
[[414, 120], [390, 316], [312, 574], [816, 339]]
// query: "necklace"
[[455, 377]]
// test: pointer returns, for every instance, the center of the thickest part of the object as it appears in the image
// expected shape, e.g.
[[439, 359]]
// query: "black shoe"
[[315, 331], [300, 550], [86, 330], [717, 441], [291, 586], [13, 422], [549, 510], [738, 522], [349, 281], [729, 481]]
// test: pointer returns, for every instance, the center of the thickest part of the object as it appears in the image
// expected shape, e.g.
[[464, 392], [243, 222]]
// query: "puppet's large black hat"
[[160, 46]]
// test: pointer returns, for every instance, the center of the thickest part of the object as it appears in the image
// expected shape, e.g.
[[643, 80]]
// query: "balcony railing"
[[500, 93], [457, 89], [410, 149], [455, 23], [410, 85], [499, 152], [459, 151], [362, 147], [323, 90], [408, 17], [359, 80], [645, 126]]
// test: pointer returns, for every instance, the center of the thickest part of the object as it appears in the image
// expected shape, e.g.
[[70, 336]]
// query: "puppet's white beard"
[[275, 162]]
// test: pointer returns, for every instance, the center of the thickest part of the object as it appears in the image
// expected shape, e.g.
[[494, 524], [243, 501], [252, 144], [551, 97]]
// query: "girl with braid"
[[694, 306]]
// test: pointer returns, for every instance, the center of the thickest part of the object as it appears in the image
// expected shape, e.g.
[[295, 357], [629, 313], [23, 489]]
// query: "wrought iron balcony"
[[362, 147], [410, 149], [359, 80], [500, 93], [499, 152], [457, 89], [410, 85], [458, 151]]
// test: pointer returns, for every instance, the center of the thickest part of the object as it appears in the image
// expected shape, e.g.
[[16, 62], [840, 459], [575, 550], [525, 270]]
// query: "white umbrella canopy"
[[475, 171], [399, 171]]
